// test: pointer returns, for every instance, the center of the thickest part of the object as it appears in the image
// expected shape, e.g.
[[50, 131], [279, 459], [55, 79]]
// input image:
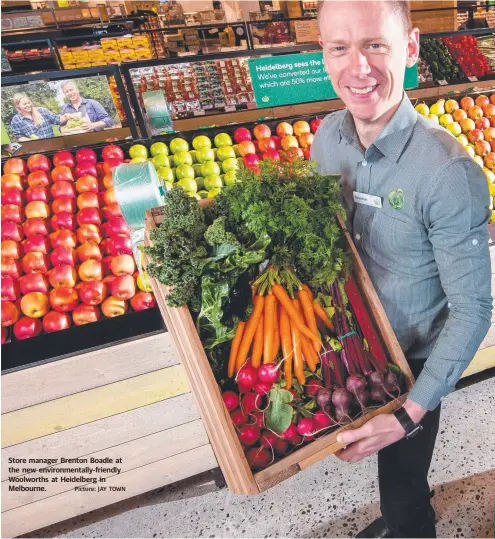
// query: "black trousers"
[[403, 478]]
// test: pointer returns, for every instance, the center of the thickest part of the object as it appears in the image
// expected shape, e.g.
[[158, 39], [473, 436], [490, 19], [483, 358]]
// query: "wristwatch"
[[407, 423]]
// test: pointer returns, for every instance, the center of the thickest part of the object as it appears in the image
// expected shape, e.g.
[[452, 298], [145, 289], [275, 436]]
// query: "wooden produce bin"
[[218, 424], [437, 18]]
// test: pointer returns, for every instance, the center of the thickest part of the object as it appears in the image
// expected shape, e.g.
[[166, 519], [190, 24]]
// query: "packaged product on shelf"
[[125, 43], [109, 44]]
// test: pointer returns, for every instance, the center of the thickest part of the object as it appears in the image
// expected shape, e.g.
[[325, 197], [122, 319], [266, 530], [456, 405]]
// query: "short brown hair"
[[401, 8]]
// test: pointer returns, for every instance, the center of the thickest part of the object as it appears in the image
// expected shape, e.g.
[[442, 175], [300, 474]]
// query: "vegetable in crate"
[[441, 63]]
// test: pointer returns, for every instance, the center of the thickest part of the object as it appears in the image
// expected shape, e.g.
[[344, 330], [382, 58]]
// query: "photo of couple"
[[53, 109]]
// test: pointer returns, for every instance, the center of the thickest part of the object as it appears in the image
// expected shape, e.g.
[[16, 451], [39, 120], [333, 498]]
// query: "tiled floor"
[[331, 499]]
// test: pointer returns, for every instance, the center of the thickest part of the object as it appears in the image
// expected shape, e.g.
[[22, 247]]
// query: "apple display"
[[12, 181], [64, 159], [159, 148], [13, 213], [266, 144], [91, 270], [123, 287], [11, 231], [301, 127], [10, 313], [116, 226], [86, 184], [178, 145], [63, 238], [306, 139], [15, 166], [62, 276], [34, 282], [142, 300], [120, 245], [85, 168], [109, 196], [63, 299], [86, 154], [108, 181], [88, 200], [11, 267], [85, 314], [62, 173], [92, 292], [230, 164], [63, 256], [112, 152], [55, 321], [482, 148], [39, 177], [315, 124], [27, 327], [222, 139], [89, 251], [38, 161], [11, 195], [283, 129], [35, 304], [10, 288], [261, 131], [289, 141], [107, 265], [112, 307], [271, 154], [122, 265], [37, 243], [35, 262], [37, 193], [89, 216], [36, 225], [246, 147], [62, 189], [89, 233], [64, 219], [37, 209], [12, 249], [242, 134], [65, 204], [474, 136]]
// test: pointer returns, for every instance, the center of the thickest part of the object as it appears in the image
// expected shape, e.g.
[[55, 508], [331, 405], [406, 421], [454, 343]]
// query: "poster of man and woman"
[[50, 109]]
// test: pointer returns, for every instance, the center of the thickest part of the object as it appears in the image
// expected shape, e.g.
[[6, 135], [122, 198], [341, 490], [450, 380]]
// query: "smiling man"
[[418, 208]]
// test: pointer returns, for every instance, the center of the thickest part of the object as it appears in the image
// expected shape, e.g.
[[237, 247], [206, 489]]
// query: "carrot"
[[322, 315], [276, 335], [298, 360], [309, 315], [309, 353], [258, 344], [270, 317], [234, 349], [309, 291], [252, 324], [295, 318], [287, 352]]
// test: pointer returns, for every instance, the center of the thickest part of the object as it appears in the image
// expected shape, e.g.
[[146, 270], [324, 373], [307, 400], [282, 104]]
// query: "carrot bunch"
[[283, 320]]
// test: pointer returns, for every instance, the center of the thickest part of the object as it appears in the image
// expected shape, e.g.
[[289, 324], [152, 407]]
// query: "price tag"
[[473, 79], [231, 108], [199, 112], [443, 82]]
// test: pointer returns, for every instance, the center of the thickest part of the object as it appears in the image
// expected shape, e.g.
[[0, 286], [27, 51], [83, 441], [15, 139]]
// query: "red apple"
[[113, 210], [89, 216], [13, 213], [12, 181], [306, 139], [64, 159], [63, 300], [116, 226], [11, 231], [474, 136], [37, 209], [261, 131], [242, 134], [64, 219], [85, 314], [482, 100], [89, 233], [107, 265], [27, 327], [37, 193], [10, 289], [122, 265], [36, 225], [12, 249], [86, 154], [113, 307], [10, 313], [272, 154], [482, 123], [123, 287], [63, 238], [245, 147], [37, 243], [315, 124], [38, 177], [11, 267], [289, 141], [91, 270], [64, 204], [63, 256], [63, 189], [112, 152], [55, 321], [489, 133], [62, 174], [292, 154], [278, 142], [35, 304], [120, 245], [12, 195], [250, 160], [85, 168], [35, 262], [105, 246], [482, 147], [489, 110], [108, 181], [87, 184], [34, 282], [489, 160], [475, 112], [89, 251], [142, 301], [15, 166], [109, 279], [267, 144], [301, 127], [88, 200], [283, 129], [92, 292], [109, 197], [38, 161], [63, 276]]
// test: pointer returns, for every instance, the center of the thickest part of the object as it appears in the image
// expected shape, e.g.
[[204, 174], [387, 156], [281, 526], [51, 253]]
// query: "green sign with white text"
[[298, 78]]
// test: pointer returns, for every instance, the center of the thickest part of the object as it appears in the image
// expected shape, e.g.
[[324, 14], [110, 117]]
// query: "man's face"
[[71, 92], [25, 105], [366, 50]]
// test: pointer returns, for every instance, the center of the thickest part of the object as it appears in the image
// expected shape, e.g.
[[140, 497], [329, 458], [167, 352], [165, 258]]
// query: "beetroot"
[[249, 434], [324, 398], [268, 438], [362, 398], [341, 398], [269, 373], [238, 417], [392, 383], [231, 400], [342, 416], [289, 433], [250, 403], [259, 457], [305, 427], [356, 383], [378, 394], [312, 388]]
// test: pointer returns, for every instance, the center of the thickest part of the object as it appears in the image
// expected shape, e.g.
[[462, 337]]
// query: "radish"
[[247, 377], [289, 433], [305, 427], [260, 419], [296, 440], [281, 447], [312, 388], [268, 438], [249, 434], [231, 400], [238, 417], [269, 372], [324, 398], [259, 457], [322, 420], [262, 388], [250, 403]]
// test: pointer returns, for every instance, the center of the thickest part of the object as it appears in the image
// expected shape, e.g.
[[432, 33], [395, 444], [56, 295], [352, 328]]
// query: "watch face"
[[416, 430]]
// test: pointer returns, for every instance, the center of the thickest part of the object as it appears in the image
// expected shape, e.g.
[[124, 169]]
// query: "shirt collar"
[[392, 141], [83, 102]]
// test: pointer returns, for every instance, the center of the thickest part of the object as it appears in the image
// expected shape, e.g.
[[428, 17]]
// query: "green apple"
[[202, 141], [188, 184], [225, 152], [230, 164], [197, 169], [166, 174], [209, 168], [203, 193], [214, 192], [184, 171], [229, 178], [213, 182], [194, 155], [179, 145], [159, 148], [169, 186], [222, 139], [205, 154], [160, 160], [182, 158], [138, 150]]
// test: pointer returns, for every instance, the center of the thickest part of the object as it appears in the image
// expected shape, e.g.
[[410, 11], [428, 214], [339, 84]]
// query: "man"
[[97, 118], [418, 208]]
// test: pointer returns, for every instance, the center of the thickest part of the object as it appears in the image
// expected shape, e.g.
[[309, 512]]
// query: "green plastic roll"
[[138, 189]]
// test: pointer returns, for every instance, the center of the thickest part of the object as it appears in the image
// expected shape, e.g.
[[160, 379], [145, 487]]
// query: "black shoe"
[[377, 528]]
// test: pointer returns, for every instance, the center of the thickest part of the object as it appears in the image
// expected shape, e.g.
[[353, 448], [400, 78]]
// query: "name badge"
[[367, 200]]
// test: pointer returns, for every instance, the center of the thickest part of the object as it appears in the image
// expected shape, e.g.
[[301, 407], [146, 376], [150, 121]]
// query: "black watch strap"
[[410, 427]]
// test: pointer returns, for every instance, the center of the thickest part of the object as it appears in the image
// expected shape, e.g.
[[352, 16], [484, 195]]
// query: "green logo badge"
[[396, 199]]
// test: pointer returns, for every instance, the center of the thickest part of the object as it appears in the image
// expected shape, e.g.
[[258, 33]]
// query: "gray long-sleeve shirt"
[[426, 248]]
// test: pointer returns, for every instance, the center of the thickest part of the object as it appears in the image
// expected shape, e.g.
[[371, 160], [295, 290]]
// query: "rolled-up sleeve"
[[100, 114], [456, 211]]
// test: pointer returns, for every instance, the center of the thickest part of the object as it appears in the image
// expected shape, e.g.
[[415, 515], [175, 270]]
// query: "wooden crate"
[[219, 427], [434, 21]]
